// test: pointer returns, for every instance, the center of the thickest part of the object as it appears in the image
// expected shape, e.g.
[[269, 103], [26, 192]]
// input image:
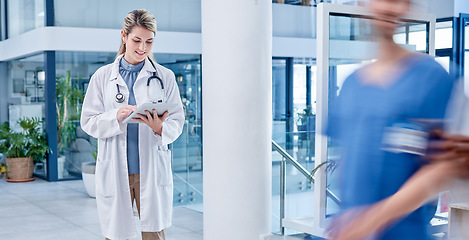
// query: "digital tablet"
[[159, 107]]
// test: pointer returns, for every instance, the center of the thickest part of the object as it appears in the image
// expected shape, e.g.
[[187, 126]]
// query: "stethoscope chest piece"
[[119, 96]]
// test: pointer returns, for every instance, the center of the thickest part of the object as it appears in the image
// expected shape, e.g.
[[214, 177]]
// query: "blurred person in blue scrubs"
[[448, 165], [375, 120]]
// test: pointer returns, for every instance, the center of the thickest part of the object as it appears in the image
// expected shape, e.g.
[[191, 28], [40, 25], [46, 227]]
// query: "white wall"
[[461, 6], [171, 15], [446, 8], [293, 21]]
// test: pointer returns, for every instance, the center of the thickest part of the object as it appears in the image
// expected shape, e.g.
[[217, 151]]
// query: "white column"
[[237, 118]]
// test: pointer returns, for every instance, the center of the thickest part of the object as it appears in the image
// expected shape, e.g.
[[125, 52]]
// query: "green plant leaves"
[[69, 96], [30, 142]]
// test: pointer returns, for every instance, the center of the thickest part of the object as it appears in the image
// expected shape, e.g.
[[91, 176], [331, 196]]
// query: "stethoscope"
[[120, 97]]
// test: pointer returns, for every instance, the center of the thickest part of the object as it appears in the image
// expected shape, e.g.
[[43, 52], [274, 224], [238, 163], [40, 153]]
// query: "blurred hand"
[[125, 111], [450, 148], [353, 224], [155, 122]]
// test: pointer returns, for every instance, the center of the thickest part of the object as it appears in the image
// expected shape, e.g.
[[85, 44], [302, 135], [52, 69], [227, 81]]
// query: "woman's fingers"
[[165, 115], [149, 116], [142, 118], [124, 111]]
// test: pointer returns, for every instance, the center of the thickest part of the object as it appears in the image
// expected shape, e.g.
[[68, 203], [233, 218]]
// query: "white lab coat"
[[98, 119]]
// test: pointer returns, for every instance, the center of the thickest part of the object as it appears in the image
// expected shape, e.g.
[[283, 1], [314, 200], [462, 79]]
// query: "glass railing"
[[187, 166], [293, 160]]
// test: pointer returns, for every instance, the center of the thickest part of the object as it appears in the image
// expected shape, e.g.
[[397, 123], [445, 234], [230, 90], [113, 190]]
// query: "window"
[[24, 15]]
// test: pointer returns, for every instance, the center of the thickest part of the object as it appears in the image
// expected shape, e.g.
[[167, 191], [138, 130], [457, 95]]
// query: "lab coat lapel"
[[140, 85], [115, 75]]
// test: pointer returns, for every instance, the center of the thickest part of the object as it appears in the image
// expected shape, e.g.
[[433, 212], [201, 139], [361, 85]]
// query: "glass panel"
[[444, 35], [304, 106], [444, 61], [24, 15], [73, 71], [342, 63], [301, 143], [466, 40], [418, 37], [466, 72], [299, 190], [279, 95], [346, 28], [279, 126], [25, 82], [187, 149], [111, 13], [339, 71], [299, 89]]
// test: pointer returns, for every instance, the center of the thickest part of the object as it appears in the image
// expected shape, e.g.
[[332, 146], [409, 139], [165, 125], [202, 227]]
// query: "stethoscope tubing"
[[120, 97]]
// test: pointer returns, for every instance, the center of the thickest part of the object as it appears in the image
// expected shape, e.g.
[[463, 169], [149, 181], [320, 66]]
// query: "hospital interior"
[[256, 79]]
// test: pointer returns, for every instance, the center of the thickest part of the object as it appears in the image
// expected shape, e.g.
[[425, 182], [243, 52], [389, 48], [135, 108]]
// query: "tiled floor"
[[41, 210]]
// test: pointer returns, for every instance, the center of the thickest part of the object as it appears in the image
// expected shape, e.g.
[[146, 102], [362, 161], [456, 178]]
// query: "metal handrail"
[[283, 190], [287, 156], [302, 170], [188, 184]]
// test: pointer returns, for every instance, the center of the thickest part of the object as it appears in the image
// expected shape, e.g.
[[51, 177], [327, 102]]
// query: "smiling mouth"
[[140, 53]]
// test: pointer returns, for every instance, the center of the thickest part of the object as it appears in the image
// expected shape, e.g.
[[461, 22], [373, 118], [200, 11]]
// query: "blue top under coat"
[[130, 73]]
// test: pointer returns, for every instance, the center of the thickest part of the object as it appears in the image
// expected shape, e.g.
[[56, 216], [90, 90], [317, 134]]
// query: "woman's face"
[[138, 44], [387, 15]]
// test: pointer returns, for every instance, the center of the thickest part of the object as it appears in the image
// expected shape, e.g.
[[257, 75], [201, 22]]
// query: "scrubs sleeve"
[[172, 126], [95, 120]]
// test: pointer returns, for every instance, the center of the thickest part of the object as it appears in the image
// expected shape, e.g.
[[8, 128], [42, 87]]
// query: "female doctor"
[[134, 163]]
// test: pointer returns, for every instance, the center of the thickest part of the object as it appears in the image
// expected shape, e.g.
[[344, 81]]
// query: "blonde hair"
[[139, 17]]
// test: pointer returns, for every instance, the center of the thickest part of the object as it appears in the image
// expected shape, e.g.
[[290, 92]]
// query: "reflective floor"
[[43, 210]]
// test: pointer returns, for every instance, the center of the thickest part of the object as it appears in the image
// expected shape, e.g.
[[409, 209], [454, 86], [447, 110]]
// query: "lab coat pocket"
[[164, 175], [105, 184]]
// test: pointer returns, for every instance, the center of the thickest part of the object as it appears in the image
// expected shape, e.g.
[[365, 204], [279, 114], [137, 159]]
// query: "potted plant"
[[68, 112], [88, 170], [22, 149], [306, 125], [306, 119]]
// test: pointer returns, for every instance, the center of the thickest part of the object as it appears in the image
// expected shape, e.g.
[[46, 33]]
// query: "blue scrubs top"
[[358, 120], [129, 73]]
